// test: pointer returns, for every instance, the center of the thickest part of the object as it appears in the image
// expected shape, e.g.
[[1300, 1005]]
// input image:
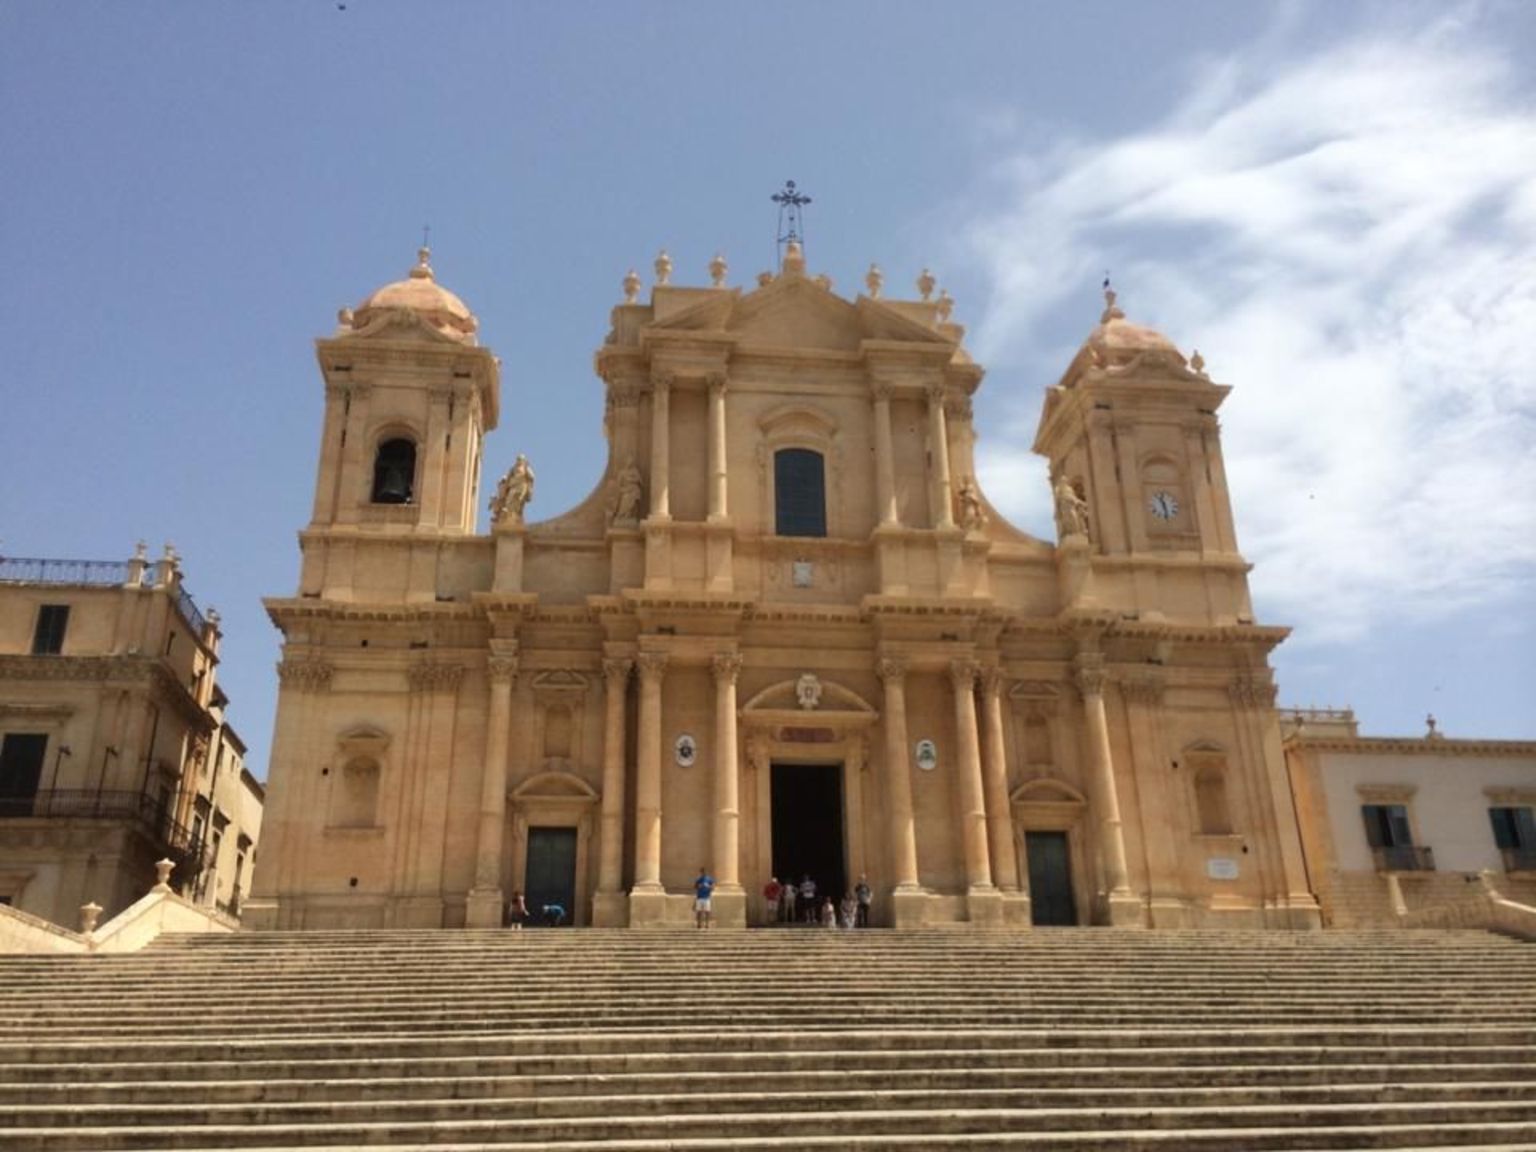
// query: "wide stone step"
[[783, 1077], [764, 1099], [1479, 1121]]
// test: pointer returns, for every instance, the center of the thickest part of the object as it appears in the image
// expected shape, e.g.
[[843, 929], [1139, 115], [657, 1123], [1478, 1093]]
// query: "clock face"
[[1164, 506]]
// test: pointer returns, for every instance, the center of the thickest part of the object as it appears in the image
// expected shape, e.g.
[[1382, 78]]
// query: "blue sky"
[[1335, 203]]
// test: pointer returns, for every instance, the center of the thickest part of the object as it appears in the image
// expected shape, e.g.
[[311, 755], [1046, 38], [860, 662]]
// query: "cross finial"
[[426, 235], [791, 225]]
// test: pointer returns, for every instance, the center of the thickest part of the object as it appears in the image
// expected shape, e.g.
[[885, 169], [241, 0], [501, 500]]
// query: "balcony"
[[144, 813], [1404, 858], [90, 573], [1519, 859]]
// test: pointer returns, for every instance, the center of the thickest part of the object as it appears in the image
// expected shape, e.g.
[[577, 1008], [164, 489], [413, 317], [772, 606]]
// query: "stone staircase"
[[792, 1039]]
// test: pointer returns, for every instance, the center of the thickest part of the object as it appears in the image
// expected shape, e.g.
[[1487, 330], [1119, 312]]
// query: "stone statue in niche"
[[1071, 510], [627, 494], [513, 493], [808, 692], [972, 517]]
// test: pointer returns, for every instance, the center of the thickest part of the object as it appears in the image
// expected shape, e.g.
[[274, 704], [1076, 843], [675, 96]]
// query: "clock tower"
[[1131, 431]]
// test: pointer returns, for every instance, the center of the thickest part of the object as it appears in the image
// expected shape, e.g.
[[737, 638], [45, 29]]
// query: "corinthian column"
[[726, 666], [717, 470], [973, 808], [653, 667], [661, 456], [1090, 683], [485, 900], [938, 446], [610, 865], [900, 832], [994, 771]]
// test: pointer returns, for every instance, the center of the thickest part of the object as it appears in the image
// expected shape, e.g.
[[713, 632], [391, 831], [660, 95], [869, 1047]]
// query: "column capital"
[[726, 666], [662, 382], [992, 681], [717, 382], [429, 676], [1088, 672], [617, 670], [882, 390], [502, 669], [935, 393], [891, 669], [1144, 688], [963, 673], [1252, 691], [653, 666]]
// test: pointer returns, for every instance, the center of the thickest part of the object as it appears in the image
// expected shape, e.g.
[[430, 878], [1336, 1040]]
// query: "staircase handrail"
[[1487, 909]]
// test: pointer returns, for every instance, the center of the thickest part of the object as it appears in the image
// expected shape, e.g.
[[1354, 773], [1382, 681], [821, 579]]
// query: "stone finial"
[[1433, 732], [141, 551], [926, 283], [213, 617], [631, 286], [824, 281], [794, 259], [764, 279], [1112, 310], [663, 268], [344, 317], [717, 270], [874, 280], [89, 915], [1197, 362], [163, 868], [423, 269], [170, 552], [946, 304]]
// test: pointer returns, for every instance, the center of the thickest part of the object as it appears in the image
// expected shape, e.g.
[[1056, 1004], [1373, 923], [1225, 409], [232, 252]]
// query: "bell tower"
[[1131, 432], [409, 397]]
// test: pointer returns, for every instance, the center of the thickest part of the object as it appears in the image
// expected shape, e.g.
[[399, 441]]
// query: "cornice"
[[1413, 745], [306, 608]]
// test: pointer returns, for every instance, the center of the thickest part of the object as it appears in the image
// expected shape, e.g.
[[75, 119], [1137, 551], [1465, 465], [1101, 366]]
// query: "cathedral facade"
[[786, 635]]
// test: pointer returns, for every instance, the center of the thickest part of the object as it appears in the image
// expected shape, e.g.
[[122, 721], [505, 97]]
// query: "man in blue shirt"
[[703, 892]]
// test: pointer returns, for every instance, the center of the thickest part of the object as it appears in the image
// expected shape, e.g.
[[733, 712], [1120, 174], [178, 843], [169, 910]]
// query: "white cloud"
[[1350, 240]]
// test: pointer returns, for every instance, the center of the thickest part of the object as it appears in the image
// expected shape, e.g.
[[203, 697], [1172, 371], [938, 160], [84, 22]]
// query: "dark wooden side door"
[[551, 872], [1050, 879]]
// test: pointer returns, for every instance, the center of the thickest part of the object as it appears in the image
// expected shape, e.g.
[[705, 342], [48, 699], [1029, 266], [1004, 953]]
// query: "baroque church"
[[786, 635]]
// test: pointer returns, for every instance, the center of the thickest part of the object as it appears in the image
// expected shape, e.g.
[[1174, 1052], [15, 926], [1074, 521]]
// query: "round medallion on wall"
[[686, 751], [927, 754]]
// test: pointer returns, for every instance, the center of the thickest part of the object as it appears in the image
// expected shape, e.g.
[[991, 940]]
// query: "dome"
[[420, 294], [1117, 334]]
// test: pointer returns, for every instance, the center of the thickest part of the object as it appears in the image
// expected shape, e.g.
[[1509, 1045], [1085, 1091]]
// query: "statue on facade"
[[972, 516], [1071, 510], [626, 501], [513, 493]]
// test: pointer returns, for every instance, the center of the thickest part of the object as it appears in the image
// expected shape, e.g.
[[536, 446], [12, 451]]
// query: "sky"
[[1334, 202]]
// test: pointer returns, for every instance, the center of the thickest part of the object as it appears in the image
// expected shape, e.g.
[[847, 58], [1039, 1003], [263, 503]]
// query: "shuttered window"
[[1386, 826], [800, 492], [48, 637], [1513, 827]]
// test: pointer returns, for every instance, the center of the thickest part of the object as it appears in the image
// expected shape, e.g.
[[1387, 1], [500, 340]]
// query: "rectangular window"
[[800, 493], [48, 638], [1514, 828], [21, 769], [1386, 826]]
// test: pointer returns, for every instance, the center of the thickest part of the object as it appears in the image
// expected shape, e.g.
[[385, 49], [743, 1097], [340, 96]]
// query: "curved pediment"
[[1048, 790], [808, 694], [363, 740], [555, 786]]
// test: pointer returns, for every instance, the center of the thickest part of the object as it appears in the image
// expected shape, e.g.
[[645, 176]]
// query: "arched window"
[[1211, 800], [800, 492], [394, 472]]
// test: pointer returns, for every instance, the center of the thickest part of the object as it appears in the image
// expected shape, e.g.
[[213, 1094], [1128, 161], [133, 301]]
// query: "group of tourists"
[[803, 903]]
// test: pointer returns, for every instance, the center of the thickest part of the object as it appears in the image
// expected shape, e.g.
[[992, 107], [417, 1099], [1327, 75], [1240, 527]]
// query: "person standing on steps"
[[808, 906], [848, 911], [517, 912], [771, 893], [865, 897], [787, 902], [828, 913], [703, 895]]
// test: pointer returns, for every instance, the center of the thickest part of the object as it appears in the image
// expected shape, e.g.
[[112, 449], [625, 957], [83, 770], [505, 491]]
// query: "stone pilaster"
[[908, 899], [484, 907], [942, 489], [1122, 908], [730, 900], [983, 905], [609, 907], [647, 901]]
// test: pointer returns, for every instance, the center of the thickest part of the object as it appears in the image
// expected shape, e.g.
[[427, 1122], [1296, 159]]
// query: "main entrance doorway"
[[551, 872], [808, 827], [1050, 879]]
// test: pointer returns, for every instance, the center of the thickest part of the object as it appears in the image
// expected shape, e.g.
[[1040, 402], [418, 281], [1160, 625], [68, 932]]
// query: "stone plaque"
[[686, 750], [927, 755], [1221, 868]]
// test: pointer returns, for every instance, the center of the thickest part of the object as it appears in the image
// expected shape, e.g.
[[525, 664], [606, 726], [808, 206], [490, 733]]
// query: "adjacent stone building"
[[786, 634], [114, 748], [1424, 815]]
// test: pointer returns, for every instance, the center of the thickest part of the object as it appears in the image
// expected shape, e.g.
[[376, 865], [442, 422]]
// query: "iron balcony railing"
[[147, 813], [1405, 858], [1519, 859], [188, 609], [24, 570]]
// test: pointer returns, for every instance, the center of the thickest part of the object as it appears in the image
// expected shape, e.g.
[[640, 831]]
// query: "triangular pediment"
[[797, 313]]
